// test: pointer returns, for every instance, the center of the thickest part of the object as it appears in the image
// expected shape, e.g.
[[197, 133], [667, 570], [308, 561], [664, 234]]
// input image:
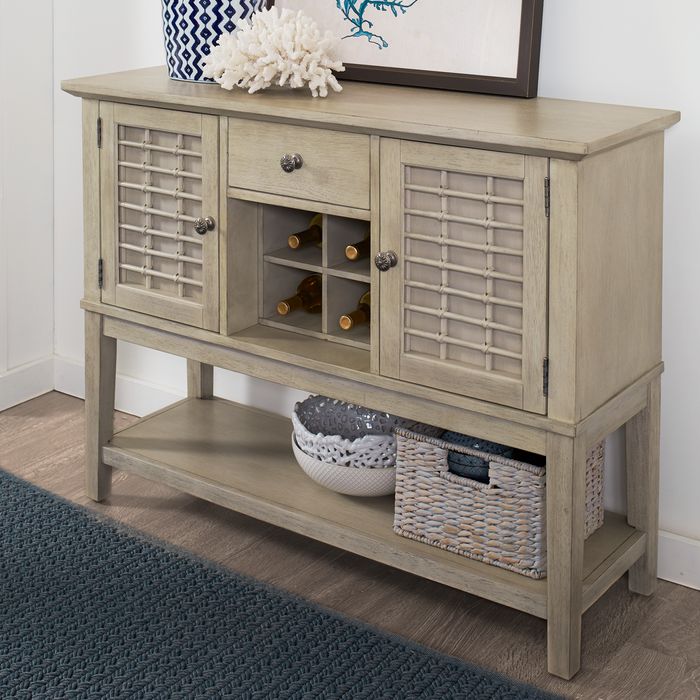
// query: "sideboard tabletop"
[[557, 128]]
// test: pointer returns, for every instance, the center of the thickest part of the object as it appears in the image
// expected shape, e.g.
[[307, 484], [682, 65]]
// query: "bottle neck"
[[308, 296], [288, 305], [356, 318], [356, 251], [313, 234]]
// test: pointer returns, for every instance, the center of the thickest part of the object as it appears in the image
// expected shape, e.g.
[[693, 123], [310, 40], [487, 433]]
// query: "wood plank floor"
[[633, 647]]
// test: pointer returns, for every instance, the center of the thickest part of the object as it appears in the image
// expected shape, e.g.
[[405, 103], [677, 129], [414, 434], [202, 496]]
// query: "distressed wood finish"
[[643, 486], [100, 374], [566, 486], [500, 283], [382, 398], [375, 236], [279, 200], [390, 290], [231, 468], [620, 250], [335, 165], [605, 275], [563, 290], [200, 380], [535, 292], [620, 410], [344, 363], [540, 126], [239, 263], [442, 219], [91, 200], [133, 283], [226, 468]]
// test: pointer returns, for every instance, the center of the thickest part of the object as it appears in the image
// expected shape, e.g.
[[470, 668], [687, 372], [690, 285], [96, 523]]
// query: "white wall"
[[630, 51], [26, 202]]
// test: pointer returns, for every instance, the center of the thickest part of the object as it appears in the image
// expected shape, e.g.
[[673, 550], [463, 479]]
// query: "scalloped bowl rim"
[[378, 478]]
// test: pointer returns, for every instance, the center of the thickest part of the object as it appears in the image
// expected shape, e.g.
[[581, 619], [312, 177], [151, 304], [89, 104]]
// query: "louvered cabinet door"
[[465, 307], [159, 172]]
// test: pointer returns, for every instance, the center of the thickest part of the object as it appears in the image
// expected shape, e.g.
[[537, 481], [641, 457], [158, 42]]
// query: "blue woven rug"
[[89, 609]]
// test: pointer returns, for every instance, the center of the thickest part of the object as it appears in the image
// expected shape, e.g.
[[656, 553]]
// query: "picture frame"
[[485, 46]]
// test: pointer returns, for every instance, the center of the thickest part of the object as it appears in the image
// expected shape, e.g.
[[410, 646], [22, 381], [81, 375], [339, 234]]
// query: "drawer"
[[335, 166]]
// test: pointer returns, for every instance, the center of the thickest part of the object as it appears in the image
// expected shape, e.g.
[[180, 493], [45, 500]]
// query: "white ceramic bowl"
[[342, 433], [351, 481]]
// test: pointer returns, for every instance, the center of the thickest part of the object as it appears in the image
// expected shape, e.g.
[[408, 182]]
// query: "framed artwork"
[[490, 46]]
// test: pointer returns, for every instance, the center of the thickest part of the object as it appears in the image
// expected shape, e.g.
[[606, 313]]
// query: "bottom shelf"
[[241, 458]]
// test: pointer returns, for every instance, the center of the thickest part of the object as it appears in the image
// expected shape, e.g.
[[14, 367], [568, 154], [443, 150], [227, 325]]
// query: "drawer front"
[[335, 166]]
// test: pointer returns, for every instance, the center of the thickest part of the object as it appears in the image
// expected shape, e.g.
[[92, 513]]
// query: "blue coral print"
[[354, 12]]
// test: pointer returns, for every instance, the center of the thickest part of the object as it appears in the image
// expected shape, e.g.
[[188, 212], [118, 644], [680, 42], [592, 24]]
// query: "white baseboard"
[[26, 382], [679, 559], [133, 396]]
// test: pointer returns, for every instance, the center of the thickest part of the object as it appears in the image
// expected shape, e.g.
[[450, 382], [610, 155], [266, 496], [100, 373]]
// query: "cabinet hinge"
[[99, 132], [547, 196], [545, 376], [100, 273]]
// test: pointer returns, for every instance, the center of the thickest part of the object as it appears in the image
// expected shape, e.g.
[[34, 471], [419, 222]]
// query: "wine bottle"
[[358, 250], [308, 297], [360, 315], [309, 236]]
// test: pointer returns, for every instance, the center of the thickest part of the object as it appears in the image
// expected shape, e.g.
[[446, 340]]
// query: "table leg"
[[566, 485], [642, 436], [200, 380], [100, 374]]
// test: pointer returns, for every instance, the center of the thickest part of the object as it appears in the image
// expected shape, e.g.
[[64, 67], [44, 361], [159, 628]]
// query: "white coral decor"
[[286, 48]]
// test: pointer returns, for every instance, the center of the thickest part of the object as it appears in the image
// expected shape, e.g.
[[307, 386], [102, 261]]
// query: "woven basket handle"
[[445, 473], [439, 459]]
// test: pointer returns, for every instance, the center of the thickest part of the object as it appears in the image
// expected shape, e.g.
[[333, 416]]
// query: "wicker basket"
[[595, 508], [502, 523]]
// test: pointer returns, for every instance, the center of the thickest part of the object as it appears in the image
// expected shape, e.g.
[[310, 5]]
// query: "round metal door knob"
[[386, 260], [203, 225], [291, 162]]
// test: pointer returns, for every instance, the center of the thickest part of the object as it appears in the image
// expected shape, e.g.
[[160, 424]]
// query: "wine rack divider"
[[305, 259], [349, 271], [282, 269]]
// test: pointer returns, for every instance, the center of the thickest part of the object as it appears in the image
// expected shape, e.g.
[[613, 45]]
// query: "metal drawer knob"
[[291, 162], [386, 260], [202, 225]]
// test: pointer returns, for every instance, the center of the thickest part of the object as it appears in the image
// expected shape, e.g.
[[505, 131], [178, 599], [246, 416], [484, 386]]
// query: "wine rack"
[[282, 269]]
